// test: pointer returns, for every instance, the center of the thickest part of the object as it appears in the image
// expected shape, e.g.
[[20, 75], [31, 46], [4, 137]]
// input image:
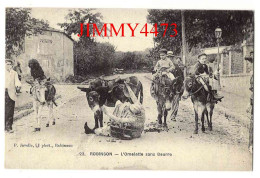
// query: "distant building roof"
[[214, 50], [59, 31]]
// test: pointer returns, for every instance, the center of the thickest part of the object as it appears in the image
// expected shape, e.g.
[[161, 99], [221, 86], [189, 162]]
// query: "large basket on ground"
[[128, 131], [125, 131]]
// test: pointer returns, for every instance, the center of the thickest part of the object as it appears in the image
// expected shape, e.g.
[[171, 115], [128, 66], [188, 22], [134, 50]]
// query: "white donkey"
[[43, 94]]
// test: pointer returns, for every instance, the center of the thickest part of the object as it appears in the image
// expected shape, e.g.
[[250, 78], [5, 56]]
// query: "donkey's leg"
[[101, 118], [165, 117], [195, 106], [210, 115], [50, 118], [98, 116], [36, 115], [96, 121], [159, 109], [39, 116], [207, 116], [202, 119], [201, 113]]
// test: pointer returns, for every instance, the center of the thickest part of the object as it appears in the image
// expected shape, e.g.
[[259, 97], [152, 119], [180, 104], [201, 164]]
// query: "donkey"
[[166, 92], [201, 103], [108, 92], [43, 94]]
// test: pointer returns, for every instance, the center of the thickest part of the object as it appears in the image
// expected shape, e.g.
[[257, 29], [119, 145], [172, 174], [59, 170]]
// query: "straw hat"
[[170, 54]]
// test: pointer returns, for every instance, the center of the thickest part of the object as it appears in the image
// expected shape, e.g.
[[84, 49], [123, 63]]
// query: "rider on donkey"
[[201, 71], [166, 63], [36, 70], [39, 79]]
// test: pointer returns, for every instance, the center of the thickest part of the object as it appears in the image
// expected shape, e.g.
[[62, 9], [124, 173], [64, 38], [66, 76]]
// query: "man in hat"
[[165, 62], [201, 71], [12, 87], [178, 85], [179, 62], [124, 114]]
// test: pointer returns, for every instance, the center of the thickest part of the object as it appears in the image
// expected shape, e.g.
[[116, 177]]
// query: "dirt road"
[[66, 146]]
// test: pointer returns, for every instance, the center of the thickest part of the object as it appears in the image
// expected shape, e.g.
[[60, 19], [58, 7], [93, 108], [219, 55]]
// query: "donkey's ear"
[[87, 90]]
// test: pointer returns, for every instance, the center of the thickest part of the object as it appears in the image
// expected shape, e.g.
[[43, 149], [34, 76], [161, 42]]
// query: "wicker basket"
[[125, 131]]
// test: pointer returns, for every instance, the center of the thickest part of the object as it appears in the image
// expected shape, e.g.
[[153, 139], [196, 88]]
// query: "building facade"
[[54, 51]]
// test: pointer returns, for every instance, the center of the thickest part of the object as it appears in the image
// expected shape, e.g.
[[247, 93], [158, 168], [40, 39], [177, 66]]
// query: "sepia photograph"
[[129, 89]]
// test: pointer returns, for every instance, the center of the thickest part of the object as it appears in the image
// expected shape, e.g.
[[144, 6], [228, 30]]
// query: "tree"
[[19, 24], [84, 16], [90, 56], [132, 60], [200, 27]]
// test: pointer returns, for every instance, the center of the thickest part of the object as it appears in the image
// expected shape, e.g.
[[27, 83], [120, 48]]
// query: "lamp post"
[[218, 33]]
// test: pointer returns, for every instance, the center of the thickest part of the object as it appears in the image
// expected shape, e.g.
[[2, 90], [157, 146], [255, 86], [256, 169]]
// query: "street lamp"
[[218, 33]]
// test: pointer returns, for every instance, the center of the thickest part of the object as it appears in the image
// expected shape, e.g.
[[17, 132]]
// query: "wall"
[[238, 85], [53, 50], [237, 62]]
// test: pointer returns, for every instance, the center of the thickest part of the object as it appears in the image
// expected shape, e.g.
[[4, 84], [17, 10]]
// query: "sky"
[[116, 16]]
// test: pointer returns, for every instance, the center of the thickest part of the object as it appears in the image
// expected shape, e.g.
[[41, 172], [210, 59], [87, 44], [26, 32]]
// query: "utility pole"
[[183, 41]]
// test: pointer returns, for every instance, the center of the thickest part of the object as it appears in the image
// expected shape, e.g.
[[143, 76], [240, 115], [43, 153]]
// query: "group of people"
[[172, 67], [205, 71]]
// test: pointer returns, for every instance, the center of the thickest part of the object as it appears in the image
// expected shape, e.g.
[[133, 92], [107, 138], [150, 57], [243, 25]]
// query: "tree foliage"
[[200, 27], [96, 58], [90, 57], [135, 60], [19, 24]]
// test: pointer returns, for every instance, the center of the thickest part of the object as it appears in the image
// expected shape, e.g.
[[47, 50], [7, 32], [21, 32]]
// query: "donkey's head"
[[38, 91], [166, 91]]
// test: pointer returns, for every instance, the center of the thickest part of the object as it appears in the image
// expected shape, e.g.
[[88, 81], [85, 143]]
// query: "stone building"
[[54, 51]]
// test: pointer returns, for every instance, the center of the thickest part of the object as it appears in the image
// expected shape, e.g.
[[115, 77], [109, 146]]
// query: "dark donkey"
[[108, 92], [166, 90], [200, 99]]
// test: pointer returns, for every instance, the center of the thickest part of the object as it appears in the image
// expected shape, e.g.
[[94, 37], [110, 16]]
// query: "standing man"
[[12, 87], [178, 85]]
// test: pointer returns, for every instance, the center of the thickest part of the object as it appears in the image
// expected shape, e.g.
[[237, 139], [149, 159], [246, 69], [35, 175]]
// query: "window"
[[44, 46], [46, 63]]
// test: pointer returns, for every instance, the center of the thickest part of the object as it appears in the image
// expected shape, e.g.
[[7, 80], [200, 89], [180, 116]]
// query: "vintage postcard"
[[138, 89]]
